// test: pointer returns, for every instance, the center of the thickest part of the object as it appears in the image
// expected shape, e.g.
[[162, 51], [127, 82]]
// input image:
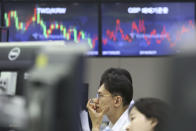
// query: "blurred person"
[[113, 99], [148, 114]]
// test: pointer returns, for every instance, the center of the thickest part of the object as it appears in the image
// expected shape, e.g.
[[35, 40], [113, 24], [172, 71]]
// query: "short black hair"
[[118, 81], [154, 108]]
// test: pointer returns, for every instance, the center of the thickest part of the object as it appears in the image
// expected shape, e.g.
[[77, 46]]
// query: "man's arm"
[[96, 116]]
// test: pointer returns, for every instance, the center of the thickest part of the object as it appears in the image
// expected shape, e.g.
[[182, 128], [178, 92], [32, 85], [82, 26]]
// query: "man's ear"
[[117, 101], [154, 122]]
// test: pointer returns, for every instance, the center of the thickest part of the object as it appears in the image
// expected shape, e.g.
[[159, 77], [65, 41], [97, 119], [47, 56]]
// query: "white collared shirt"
[[121, 123]]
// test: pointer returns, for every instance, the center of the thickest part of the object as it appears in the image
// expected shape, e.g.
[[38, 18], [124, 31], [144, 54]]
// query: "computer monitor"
[[16, 58], [84, 95], [55, 88], [145, 28], [52, 92], [0, 13], [69, 21], [4, 34]]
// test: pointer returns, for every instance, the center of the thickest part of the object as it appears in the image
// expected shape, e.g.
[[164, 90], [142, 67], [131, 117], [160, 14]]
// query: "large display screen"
[[72, 22], [137, 29], [0, 14]]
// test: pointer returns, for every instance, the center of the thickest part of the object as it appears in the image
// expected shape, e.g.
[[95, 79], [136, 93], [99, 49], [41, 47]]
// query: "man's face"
[[104, 99]]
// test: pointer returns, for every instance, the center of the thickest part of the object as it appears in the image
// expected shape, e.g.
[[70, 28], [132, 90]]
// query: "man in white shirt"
[[122, 122], [113, 99]]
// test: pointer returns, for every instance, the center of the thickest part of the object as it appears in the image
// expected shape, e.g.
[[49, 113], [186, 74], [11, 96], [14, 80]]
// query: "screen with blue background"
[[130, 29], [0, 14], [77, 22]]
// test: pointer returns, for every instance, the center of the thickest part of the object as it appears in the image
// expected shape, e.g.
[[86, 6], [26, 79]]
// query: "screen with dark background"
[[75, 22], [156, 29]]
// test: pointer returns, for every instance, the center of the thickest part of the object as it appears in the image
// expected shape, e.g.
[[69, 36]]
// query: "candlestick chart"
[[148, 29], [69, 22]]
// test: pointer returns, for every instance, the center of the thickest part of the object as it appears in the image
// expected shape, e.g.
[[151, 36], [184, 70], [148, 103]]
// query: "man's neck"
[[116, 114]]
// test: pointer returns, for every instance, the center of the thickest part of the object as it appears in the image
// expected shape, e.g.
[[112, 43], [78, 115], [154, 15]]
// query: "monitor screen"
[[77, 22], [4, 34], [0, 13], [150, 29]]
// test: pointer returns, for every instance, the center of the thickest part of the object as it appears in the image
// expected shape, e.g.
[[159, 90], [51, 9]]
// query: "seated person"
[[114, 97], [148, 114]]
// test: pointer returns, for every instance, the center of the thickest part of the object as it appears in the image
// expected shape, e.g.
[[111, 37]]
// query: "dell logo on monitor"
[[14, 54]]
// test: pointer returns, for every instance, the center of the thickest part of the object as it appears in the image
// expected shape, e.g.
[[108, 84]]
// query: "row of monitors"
[[127, 29]]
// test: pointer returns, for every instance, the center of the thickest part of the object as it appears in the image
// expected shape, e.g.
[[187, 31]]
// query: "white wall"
[[149, 74]]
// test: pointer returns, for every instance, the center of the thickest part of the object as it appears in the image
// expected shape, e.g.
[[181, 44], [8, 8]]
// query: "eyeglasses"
[[101, 95]]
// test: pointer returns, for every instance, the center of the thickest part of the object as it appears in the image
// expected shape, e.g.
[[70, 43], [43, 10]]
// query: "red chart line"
[[141, 29]]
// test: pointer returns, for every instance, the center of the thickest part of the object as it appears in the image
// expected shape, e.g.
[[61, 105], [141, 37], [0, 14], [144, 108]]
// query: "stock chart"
[[72, 22], [156, 29]]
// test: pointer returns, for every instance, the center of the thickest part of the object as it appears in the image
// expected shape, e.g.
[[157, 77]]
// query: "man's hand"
[[96, 114]]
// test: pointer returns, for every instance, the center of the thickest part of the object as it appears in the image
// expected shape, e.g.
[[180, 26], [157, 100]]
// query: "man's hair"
[[154, 108], [118, 81]]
